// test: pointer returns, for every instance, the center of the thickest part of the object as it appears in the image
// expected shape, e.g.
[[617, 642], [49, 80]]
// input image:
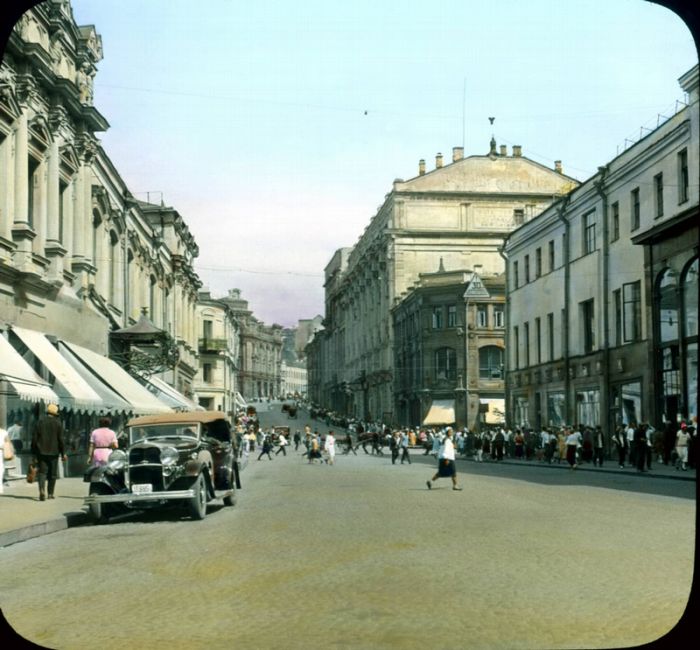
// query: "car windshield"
[[163, 431]]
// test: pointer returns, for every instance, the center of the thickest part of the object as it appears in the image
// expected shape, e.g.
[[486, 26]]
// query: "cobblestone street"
[[363, 555]]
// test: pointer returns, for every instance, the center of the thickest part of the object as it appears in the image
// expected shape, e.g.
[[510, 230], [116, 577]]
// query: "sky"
[[276, 128]]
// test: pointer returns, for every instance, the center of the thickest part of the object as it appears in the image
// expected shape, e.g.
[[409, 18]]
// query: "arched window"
[[491, 360], [689, 292], [445, 363], [690, 300], [115, 268]]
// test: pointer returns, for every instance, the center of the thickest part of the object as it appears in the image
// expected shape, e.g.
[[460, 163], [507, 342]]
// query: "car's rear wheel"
[[198, 503]]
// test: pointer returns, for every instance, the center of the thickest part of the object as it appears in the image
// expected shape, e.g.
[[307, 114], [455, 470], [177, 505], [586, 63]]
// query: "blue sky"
[[276, 128]]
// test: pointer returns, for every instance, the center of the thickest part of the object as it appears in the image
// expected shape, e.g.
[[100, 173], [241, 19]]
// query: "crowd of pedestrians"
[[630, 445]]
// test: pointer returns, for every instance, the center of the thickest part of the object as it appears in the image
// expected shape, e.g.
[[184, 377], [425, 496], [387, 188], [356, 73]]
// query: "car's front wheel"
[[99, 512], [198, 503]]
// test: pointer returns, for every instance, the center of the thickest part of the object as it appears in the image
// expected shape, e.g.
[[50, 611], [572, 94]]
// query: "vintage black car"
[[184, 459]]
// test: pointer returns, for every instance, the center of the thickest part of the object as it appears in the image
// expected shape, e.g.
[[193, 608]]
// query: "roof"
[[184, 417]]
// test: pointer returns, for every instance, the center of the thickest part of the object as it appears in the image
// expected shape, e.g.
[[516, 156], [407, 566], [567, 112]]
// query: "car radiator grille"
[[145, 474], [144, 455]]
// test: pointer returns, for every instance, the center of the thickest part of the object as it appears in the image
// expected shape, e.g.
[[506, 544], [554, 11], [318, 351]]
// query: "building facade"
[[75, 245], [602, 290], [259, 374], [449, 361], [294, 379], [460, 212], [216, 383]]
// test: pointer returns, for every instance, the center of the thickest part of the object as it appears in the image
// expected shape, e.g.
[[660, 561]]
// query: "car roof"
[[184, 417]]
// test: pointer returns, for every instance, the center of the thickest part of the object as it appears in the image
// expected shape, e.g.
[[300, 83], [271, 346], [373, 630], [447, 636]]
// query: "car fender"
[[101, 474]]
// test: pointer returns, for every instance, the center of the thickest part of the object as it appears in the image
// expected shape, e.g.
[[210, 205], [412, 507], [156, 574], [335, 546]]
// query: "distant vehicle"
[[276, 431], [290, 410], [182, 459]]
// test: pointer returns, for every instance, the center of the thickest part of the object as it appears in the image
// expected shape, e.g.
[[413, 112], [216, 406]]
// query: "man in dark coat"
[[47, 446]]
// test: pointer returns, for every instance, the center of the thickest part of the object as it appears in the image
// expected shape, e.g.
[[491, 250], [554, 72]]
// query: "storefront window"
[[627, 401], [556, 409], [588, 407], [522, 412]]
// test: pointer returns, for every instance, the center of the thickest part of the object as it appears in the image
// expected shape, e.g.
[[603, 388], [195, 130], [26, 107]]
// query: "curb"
[[678, 476], [24, 533]]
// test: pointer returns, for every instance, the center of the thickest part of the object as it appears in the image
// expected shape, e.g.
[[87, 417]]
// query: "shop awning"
[[240, 402], [72, 390], [442, 411], [111, 402], [496, 413], [15, 371], [142, 402], [173, 398]]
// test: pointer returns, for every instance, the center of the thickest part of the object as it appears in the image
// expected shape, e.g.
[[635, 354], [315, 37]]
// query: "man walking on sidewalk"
[[47, 446]]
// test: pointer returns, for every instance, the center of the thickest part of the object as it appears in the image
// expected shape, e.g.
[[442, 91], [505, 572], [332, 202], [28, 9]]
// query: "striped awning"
[[72, 390], [21, 378], [141, 400]]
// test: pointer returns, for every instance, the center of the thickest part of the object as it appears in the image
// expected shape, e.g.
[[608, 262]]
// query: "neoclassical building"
[[216, 383], [449, 360], [80, 257], [259, 374], [602, 290], [459, 212]]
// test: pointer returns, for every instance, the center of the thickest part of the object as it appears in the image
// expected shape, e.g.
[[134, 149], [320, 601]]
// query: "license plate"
[[141, 488]]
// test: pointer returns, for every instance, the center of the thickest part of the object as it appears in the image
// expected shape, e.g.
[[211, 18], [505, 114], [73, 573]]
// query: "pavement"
[[23, 516]]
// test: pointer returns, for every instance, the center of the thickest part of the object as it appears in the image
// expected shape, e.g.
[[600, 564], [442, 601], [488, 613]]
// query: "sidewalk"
[[23, 516]]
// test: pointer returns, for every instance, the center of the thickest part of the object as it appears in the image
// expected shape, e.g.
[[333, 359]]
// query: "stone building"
[[460, 212], [216, 383], [75, 246], [293, 379], [602, 290], [449, 350], [259, 374]]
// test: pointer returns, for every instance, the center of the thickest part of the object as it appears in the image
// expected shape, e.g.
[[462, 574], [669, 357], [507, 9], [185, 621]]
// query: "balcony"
[[212, 345]]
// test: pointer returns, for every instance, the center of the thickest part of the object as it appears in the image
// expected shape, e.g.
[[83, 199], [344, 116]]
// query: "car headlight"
[[169, 456], [116, 460]]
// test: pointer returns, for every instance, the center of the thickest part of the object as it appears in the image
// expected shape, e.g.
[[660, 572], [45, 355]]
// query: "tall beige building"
[[460, 212]]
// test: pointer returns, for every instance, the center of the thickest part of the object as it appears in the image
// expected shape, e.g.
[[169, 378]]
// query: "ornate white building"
[[80, 257]]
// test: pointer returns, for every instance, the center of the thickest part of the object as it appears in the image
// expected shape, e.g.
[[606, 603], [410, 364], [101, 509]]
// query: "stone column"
[[7, 197], [53, 195], [21, 212], [79, 215]]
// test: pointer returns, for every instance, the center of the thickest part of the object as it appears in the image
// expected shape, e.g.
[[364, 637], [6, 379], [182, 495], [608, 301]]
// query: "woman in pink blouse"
[[102, 441]]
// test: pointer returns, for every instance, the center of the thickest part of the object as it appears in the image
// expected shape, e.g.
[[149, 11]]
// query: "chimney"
[[421, 167], [517, 150], [438, 161], [504, 150], [557, 167], [457, 153]]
